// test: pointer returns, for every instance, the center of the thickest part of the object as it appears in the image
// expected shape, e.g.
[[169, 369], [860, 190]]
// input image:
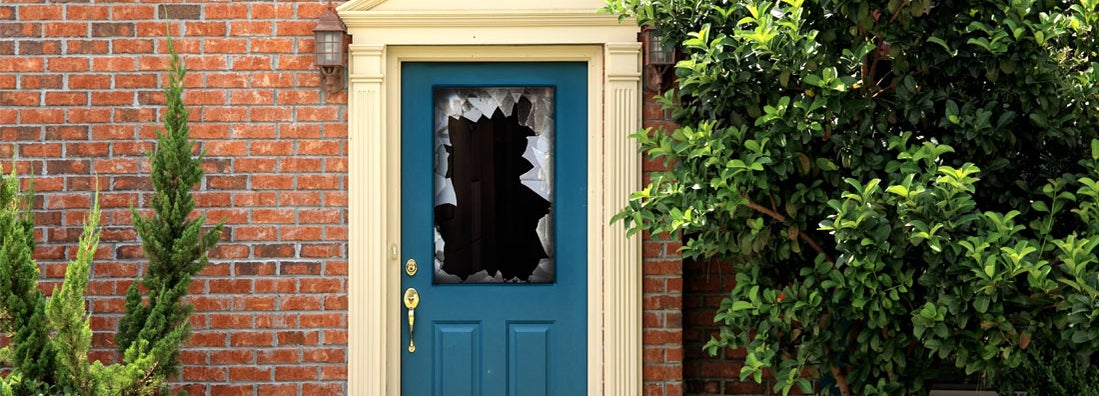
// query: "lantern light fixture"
[[658, 59], [330, 33]]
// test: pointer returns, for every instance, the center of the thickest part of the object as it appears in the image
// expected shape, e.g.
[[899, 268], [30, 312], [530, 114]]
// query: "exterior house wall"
[[80, 96]]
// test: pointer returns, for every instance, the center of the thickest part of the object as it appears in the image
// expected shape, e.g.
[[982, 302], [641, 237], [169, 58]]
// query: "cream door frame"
[[385, 39]]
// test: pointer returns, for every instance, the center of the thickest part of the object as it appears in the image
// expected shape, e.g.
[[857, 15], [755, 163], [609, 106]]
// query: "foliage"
[[150, 335], [175, 244], [1058, 375], [22, 312], [898, 183]]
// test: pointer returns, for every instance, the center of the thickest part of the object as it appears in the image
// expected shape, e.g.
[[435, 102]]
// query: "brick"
[[319, 182], [251, 28], [272, 182], [295, 28], [67, 64], [72, 132], [158, 29], [90, 81], [40, 12], [230, 286], [204, 97], [295, 62], [42, 116], [311, 285], [226, 45], [272, 45], [272, 11], [179, 11], [113, 98], [322, 389], [20, 98], [231, 390], [7, 12], [255, 303], [87, 47], [230, 321], [227, 80], [252, 97], [136, 80], [338, 372], [255, 199], [281, 355], [203, 373], [331, 216], [114, 29], [87, 12], [279, 147], [318, 114], [63, 98], [323, 355], [40, 150], [276, 320], [272, 79], [277, 389], [265, 114], [226, 11], [295, 373], [132, 11], [251, 338], [318, 147], [16, 29], [227, 182], [113, 64], [300, 198], [252, 62], [132, 46], [205, 29], [39, 47], [225, 114]]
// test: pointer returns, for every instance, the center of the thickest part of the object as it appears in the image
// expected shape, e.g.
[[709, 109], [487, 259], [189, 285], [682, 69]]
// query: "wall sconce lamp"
[[657, 59], [330, 33]]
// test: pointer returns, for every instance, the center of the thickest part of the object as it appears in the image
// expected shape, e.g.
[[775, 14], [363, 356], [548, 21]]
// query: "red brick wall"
[[80, 93], [705, 284], [662, 289]]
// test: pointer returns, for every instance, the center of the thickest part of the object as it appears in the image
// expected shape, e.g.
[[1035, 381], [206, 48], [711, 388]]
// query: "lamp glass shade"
[[329, 48], [657, 54]]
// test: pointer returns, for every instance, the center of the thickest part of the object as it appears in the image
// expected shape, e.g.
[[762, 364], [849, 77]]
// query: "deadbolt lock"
[[410, 267]]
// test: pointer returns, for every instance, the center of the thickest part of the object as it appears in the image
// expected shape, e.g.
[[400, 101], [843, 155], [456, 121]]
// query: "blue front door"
[[494, 203]]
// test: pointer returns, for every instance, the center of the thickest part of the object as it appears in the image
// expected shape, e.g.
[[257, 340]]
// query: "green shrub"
[[899, 183], [150, 335]]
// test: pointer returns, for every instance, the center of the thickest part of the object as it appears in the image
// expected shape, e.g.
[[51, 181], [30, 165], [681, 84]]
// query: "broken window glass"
[[494, 185]]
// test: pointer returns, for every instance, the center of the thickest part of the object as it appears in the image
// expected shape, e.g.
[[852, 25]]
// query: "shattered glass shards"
[[494, 185]]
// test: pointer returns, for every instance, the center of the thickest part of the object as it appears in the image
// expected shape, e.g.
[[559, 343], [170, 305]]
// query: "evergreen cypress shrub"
[[174, 243], [150, 334]]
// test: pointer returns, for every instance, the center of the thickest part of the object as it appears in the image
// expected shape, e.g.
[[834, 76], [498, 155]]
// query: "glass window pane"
[[494, 185]]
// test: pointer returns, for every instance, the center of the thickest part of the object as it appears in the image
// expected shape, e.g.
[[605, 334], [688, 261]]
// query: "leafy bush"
[[898, 183], [150, 334]]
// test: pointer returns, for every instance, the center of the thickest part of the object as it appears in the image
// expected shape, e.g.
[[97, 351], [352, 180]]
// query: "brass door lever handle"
[[411, 301]]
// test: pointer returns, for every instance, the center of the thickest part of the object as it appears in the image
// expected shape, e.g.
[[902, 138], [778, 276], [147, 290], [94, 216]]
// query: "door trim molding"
[[614, 170]]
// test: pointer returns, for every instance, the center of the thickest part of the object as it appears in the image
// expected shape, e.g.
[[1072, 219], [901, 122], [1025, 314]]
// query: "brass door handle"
[[411, 301]]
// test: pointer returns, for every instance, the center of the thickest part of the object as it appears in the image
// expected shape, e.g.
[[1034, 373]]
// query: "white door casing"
[[387, 33]]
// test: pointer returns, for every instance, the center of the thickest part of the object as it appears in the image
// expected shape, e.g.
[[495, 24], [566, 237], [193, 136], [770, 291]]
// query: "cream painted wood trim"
[[614, 271], [369, 251], [358, 5], [466, 18], [622, 259]]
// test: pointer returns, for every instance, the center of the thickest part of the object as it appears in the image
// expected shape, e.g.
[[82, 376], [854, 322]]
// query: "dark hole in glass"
[[492, 228]]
